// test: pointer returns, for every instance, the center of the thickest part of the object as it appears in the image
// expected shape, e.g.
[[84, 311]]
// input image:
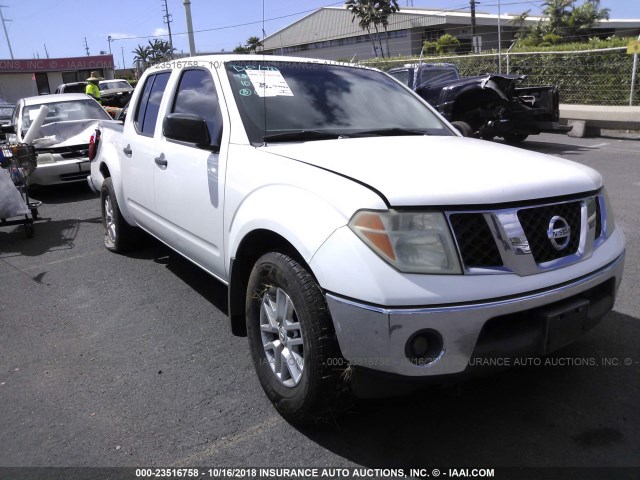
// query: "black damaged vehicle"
[[486, 106]]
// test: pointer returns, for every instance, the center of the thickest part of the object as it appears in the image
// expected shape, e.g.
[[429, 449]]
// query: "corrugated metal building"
[[330, 33]]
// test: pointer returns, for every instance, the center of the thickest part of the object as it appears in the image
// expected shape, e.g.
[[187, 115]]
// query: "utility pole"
[[473, 17], [123, 64], [109, 39], [86, 46], [167, 17], [187, 10], [4, 25]]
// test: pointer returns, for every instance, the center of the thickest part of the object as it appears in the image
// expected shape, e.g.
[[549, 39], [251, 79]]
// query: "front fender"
[[303, 218]]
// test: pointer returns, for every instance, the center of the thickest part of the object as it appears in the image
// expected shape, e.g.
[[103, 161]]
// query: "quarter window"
[[149, 106]]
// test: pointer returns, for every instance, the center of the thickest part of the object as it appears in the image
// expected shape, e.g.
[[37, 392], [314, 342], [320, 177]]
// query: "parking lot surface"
[[113, 360]]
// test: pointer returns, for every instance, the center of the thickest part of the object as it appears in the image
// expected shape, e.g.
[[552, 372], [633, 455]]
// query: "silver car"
[[62, 144]]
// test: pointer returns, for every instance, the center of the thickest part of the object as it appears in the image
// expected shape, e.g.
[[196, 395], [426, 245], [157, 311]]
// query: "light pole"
[[499, 42], [109, 39]]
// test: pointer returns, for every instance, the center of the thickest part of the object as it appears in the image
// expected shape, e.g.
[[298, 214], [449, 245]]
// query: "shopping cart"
[[18, 161]]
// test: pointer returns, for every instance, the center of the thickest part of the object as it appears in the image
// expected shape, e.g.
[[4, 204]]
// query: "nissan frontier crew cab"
[[359, 234]]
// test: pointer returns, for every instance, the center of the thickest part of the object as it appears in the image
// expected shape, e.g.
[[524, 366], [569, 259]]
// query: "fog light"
[[424, 347]]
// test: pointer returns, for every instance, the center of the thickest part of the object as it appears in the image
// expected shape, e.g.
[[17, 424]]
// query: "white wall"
[[14, 86], [55, 79]]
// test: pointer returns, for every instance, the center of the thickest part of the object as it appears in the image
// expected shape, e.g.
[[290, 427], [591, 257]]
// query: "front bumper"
[[58, 171], [376, 337]]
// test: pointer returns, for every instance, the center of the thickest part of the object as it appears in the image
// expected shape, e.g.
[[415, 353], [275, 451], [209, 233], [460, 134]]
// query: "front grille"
[[477, 246], [525, 237], [598, 219], [72, 177], [535, 223]]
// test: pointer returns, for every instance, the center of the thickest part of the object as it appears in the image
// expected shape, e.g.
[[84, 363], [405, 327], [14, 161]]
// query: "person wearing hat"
[[92, 87]]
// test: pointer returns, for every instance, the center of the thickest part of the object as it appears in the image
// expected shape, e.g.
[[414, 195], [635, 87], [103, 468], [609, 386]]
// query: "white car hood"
[[62, 134], [422, 170]]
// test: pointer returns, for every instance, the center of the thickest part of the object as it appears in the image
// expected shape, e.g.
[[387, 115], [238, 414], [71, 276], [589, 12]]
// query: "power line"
[[227, 27], [4, 25]]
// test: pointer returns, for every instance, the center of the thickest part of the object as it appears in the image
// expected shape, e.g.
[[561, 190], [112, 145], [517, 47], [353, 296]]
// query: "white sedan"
[[62, 144]]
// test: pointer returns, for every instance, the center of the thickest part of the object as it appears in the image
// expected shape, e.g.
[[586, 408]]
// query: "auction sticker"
[[269, 83]]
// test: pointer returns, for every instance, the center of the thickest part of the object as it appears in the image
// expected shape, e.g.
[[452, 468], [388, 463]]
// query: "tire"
[[310, 383], [463, 127], [119, 236], [515, 138]]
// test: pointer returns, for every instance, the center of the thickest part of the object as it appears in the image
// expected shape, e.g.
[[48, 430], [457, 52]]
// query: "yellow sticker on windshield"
[[269, 83]]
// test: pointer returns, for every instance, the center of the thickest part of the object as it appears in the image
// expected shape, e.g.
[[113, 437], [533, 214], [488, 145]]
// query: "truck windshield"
[[292, 101], [435, 75]]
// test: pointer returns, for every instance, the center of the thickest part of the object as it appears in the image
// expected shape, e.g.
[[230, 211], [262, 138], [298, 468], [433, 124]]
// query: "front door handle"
[[161, 161], [127, 150]]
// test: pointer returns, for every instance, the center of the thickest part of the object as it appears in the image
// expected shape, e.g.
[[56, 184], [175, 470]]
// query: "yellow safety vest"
[[93, 91]]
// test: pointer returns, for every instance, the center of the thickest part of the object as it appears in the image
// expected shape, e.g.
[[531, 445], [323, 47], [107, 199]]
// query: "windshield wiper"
[[390, 132], [300, 135]]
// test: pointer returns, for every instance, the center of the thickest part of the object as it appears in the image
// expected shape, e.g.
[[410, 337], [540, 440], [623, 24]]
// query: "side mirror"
[[188, 128]]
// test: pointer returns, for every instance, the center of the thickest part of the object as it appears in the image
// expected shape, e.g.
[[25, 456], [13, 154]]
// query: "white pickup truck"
[[360, 236]]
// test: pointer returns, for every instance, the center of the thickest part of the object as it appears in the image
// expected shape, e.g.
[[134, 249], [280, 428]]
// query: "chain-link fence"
[[588, 77]]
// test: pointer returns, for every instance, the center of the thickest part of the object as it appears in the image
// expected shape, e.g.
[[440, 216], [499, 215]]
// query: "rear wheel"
[[119, 236], [292, 340], [515, 138]]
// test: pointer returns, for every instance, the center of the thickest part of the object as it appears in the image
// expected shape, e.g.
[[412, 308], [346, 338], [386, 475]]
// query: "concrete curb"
[[590, 120]]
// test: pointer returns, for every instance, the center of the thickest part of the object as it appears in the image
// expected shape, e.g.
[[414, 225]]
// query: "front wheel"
[[464, 128], [292, 340]]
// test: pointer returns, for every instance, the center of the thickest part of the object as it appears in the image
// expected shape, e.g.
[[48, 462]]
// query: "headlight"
[[608, 220], [413, 242]]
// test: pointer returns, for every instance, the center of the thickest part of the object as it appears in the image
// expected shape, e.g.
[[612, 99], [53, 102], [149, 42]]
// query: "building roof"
[[329, 23]]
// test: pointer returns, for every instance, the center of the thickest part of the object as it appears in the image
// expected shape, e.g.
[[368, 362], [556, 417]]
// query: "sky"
[[39, 28]]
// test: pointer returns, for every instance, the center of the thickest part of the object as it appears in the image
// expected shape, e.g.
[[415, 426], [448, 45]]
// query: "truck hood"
[[423, 171]]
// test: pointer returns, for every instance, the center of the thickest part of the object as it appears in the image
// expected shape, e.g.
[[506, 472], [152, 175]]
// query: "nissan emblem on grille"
[[559, 232]]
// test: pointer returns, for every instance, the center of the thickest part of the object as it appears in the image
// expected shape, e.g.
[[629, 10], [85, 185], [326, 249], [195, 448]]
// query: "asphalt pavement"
[[114, 360]]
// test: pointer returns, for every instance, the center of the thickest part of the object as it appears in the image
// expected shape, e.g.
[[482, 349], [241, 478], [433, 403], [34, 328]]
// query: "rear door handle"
[[127, 150], [161, 161]]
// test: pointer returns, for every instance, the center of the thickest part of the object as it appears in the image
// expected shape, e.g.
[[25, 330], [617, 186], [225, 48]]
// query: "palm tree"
[[253, 43], [142, 55], [384, 9], [584, 17], [160, 51], [557, 12], [365, 12]]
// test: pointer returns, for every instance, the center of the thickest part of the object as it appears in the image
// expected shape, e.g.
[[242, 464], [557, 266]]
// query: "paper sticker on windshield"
[[269, 83]]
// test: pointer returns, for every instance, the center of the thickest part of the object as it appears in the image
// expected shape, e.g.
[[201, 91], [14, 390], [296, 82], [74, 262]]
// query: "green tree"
[[142, 55], [160, 51], [582, 19], [253, 44], [385, 8], [563, 21], [241, 49], [445, 44], [366, 13]]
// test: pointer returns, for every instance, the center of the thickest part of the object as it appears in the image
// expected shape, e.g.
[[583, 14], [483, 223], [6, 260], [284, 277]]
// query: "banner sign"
[[56, 64]]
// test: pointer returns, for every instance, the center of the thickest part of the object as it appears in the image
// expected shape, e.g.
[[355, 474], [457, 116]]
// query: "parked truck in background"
[[485, 106], [362, 239]]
